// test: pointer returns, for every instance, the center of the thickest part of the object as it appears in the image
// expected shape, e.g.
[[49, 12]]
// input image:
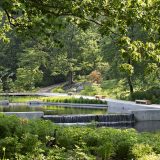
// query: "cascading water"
[[107, 120]]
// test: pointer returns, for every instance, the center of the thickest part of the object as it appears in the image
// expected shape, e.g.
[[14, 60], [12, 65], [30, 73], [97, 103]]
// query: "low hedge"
[[73, 100]]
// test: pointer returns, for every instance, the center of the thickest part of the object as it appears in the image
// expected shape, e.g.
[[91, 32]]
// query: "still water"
[[52, 110], [146, 126]]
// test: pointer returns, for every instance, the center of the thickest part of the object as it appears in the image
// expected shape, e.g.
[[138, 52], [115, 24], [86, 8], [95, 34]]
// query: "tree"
[[116, 18], [78, 52], [27, 78]]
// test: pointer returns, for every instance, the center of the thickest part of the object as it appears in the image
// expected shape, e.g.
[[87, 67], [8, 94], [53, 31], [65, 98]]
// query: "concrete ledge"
[[74, 105], [78, 105], [119, 106], [147, 115], [28, 115], [37, 102], [147, 126]]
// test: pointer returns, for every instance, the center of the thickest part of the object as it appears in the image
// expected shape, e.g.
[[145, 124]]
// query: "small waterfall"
[[110, 118]]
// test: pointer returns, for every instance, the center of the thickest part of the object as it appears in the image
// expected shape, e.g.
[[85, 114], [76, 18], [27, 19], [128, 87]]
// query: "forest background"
[[114, 44]]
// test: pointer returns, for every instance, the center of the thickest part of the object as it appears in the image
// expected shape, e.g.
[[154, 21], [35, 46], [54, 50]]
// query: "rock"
[[79, 88]]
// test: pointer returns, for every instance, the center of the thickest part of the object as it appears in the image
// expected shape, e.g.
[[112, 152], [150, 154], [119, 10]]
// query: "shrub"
[[42, 128], [11, 146], [26, 139], [30, 143], [58, 90], [140, 150], [95, 76], [91, 90], [152, 94], [8, 126], [73, 100], [150, 157], [106, 150]]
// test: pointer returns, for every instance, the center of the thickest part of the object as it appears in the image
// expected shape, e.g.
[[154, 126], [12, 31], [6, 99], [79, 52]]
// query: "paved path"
[[49, 89]]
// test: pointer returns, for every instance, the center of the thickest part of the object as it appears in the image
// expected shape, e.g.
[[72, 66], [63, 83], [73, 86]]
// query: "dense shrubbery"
[[91, 90], [152, 94], [73, 100], [26, 139]]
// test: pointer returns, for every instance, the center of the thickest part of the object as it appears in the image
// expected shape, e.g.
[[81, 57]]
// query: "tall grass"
[[72, 100], [19, 99]]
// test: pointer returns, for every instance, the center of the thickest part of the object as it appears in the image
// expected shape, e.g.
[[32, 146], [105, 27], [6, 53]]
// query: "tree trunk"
[[130, 80], [70, 78], [130, 85]]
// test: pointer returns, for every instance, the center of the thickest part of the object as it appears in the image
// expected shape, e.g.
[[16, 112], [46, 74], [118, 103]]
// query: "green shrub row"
[[73, 100], [152, 94], [22, 139], [19, 99]]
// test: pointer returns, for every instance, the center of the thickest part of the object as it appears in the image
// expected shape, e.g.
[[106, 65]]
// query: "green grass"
[[58, 89], [19, 99], [66, 99], [114, 89], [109, 88], [72, 100]]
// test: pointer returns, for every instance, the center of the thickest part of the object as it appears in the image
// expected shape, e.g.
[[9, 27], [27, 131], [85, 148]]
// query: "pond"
[[53, 110], [146, 126]]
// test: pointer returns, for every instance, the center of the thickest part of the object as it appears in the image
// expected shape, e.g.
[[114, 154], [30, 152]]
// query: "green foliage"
[[20, 99], [140, 150], [61, 40], [30, 143], [72, 100], [1, 86], [150, 157], [78, 52], [58, 89], [152, 94], [27, 78], [11, 146], [127, 69], [91, 90], [106, 150], [109, 88], [26, 139]]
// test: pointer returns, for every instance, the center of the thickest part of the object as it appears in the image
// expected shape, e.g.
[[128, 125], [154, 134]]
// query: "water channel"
[[116, 121], [53, 110]]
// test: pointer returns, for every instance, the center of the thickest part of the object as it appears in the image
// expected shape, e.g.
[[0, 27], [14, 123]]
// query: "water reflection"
[[144, 126], [52, 110]]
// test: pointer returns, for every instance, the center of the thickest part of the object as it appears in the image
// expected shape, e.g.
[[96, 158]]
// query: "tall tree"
[[78, 52], [116, 17]]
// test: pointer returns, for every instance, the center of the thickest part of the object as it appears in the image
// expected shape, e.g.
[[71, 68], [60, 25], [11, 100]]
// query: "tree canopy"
[[82, 35]]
